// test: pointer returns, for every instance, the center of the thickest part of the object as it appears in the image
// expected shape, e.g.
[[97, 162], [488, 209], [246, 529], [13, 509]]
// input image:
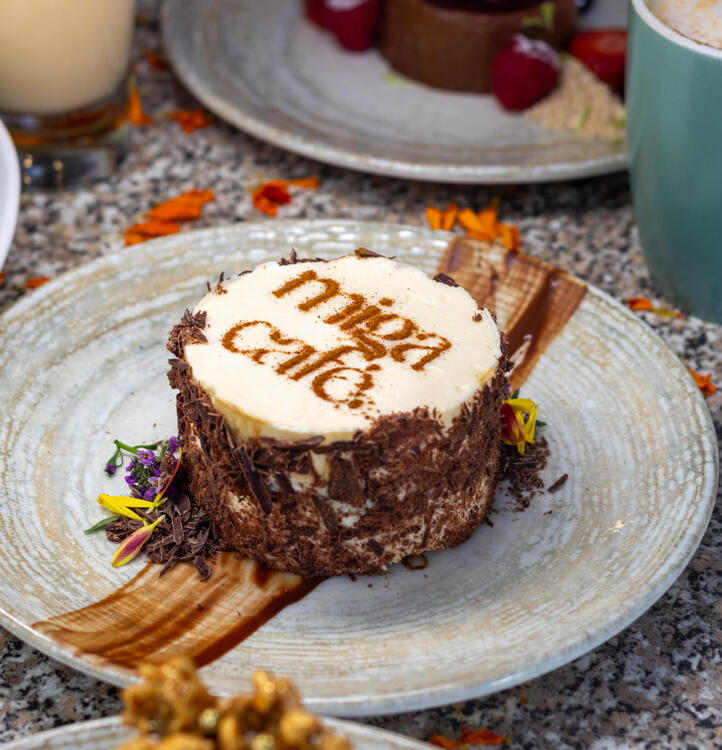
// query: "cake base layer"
[[453, 49], [406, 485]]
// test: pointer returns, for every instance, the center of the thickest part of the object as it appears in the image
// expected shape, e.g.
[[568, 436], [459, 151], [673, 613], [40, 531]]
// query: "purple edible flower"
[[146, 457], [110, 469], [173, 444]]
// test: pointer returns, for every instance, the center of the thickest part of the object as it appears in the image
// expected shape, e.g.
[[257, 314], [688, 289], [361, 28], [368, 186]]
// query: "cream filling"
[[325, 348]]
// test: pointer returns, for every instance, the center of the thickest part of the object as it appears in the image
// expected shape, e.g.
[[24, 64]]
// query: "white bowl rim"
[[10, 180]]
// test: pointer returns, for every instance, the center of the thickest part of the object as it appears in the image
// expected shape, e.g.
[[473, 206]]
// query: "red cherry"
[[603, 51], [316, 12], [524, 70], [353, 22]]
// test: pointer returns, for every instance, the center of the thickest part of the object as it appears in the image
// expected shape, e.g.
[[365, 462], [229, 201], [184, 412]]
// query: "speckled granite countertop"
[[658, 684]]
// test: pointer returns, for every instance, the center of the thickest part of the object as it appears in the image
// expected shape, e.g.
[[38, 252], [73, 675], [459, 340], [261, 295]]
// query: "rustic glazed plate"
[[107, 734], [85, 360], [263, 68]]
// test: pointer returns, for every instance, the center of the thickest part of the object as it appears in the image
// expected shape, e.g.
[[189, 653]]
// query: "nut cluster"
[[173, 711]]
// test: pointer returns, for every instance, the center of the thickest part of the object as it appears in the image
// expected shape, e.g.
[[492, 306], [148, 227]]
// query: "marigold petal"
[[481, 737], [133, 238], [441, 741], [200, 196], [176, 209], [470, 221], [36, 281], [2, 276], [704, 382], [433, 216], [276, 191], [310, 183], [136, 115], [448, 217], [190, 119], [155, 60], [488, 221], [131, 545], [639, 303], [154, 228], [262, 203], [509, 236]]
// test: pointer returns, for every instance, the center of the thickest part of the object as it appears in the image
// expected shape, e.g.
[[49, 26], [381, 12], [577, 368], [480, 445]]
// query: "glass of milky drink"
[[674, 123], [64, 77]]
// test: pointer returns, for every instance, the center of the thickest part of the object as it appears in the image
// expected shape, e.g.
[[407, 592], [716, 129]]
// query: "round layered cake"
[[338, 416]]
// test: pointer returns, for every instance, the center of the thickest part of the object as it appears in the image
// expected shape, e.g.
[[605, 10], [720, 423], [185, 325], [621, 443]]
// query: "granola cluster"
[[173, 711]]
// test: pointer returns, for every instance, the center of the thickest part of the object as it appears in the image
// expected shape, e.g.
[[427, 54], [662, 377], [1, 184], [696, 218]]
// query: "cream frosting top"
[[324, 348]]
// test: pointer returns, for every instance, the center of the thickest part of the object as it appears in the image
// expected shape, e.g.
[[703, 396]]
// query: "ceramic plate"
[[536, 590], [263, 68], [9, 191], [107, 734]]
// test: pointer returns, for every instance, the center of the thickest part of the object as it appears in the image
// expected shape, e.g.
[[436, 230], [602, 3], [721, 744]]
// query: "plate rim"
[[354, 705], [319, 150], [9, 210], [37, 740]]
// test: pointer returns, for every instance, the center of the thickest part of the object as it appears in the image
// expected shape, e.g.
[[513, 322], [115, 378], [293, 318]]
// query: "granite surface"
[[658, 684]]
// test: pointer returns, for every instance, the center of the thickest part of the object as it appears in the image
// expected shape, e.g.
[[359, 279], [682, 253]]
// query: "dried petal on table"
[[481, 737], [156, 60], [36, 281], [441, 741], [704, 382], [643, 304], [136, 115], [149, 229], [310, 183], [191, 119]]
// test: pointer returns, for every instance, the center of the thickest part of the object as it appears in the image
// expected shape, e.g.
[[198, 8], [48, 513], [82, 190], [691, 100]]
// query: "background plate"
[[85, 361], [107, 734], [263, 68], [9, 191]]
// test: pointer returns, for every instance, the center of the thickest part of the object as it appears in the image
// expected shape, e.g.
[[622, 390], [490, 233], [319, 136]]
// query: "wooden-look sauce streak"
[[532, 300], [151, 618]]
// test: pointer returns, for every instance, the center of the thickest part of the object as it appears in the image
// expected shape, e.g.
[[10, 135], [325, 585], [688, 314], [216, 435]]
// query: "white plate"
[[9, 191], [263, 68], [107, 734], [625, 420]]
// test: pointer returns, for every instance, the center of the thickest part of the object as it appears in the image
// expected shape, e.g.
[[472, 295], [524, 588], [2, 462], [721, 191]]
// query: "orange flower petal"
[[155, 60], [2, 276], [176, 209], [481, 737], [136, 115], [133, 238], [154, 228], [639, 303], [469, 220], [262, 203], [200, 196], [441, 741], [433, 216], [310, 183], [480, 235], [276, 191], [509, 236], [487, 220], [704, 382], [191, 119], [36, 281], [448, 218]]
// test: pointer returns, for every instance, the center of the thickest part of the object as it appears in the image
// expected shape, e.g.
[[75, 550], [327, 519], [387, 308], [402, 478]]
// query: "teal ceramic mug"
[[674, 130]]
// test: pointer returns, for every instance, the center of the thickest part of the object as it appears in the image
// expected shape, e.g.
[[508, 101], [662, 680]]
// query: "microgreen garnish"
[[101, 524], [117, 459]]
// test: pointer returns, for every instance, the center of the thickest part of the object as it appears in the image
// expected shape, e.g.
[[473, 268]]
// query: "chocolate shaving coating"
[[442, 278], [523, 473]]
